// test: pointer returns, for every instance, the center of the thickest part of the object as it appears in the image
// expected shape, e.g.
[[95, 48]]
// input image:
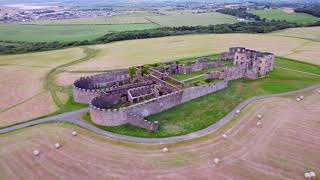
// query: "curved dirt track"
[[287, 145]]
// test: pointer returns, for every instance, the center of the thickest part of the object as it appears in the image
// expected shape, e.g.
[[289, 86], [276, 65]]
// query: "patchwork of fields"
[[165, 18], [283, 14], [37, 84], [172, 48]]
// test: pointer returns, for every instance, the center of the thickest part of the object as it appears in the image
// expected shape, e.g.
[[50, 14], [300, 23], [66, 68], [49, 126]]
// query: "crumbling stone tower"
[[255, 63]]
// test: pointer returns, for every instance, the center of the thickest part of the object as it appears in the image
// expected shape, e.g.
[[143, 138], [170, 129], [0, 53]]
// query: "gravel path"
[[74, 117]]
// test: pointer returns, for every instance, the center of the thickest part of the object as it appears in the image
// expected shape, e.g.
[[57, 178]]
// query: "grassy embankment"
[[204, 111], [197, 73]]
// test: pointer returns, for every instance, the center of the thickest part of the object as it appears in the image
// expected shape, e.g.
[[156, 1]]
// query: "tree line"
[[240, 13], [313, 10]]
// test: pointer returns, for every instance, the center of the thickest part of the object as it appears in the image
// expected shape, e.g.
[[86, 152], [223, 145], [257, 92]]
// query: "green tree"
[[132, 72]]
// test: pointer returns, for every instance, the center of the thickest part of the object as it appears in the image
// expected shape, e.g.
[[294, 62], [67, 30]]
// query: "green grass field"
[[132, 18], [64, 33], [204, 111], [167, 18], [91, 28], [190, 19], [279, 14]]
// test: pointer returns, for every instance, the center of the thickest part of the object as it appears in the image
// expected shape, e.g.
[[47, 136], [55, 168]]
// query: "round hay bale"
[[307, 175], [238, 111], [259, 116], [216, 161], [57, 145], [165, 150], [298, 99], [74, 133], [301, 97], [224, 136], [312, 174], [36, 152], [259, 124]]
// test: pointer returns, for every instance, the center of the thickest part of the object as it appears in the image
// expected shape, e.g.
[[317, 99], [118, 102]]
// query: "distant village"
[[19, 13], [51, 13]]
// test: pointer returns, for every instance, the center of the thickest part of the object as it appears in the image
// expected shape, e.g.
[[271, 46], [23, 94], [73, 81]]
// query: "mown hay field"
[[280, 14], [22, 92], [137, 52], [289, 133], [310, 33]]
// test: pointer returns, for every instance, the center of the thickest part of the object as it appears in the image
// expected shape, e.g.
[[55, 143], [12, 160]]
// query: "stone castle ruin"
[[118, 98]]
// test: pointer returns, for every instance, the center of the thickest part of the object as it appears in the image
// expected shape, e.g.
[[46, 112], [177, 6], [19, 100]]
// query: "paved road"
[[74, 117]]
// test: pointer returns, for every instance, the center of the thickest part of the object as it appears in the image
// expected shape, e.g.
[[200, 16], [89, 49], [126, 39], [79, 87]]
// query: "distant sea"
[[30, 6]]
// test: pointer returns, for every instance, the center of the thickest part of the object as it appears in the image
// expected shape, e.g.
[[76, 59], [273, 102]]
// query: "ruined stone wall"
[[134, 114], [108, 117], [142, 123], [233, 73], [84, 88], [155, 105], [195, 92], [84, 96], [109, 78]]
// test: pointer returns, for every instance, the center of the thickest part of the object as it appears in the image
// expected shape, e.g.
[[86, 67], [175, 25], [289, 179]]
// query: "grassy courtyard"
[[197, 73], [204, 111]]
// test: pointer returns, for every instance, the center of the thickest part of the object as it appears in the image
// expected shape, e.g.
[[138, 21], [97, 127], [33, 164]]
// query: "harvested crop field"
[[67, 78], [22, 83], [171, 48], [39, 105], [310, 33], [285, 147]]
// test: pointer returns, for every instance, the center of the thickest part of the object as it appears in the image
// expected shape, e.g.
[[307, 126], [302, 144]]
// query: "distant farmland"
[[164, 18], [91, 28], [281, 14]]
